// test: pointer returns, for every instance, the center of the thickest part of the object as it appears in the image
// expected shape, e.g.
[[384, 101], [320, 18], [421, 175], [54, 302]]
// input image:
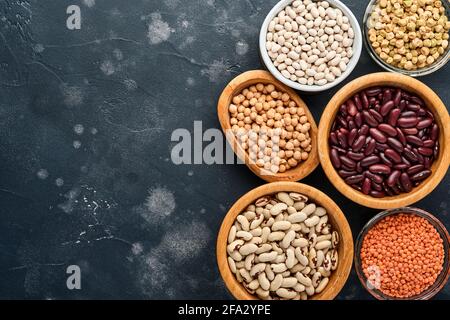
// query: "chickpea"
[[409, 28], [270, 127]]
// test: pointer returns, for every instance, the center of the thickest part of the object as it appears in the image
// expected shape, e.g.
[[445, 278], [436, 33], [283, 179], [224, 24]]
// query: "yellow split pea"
[[270, 127]]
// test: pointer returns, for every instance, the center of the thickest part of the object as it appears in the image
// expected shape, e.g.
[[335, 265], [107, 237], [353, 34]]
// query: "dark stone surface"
[[109, 199]]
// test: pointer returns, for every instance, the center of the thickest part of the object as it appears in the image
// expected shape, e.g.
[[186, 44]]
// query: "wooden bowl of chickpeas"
[[269, 127]]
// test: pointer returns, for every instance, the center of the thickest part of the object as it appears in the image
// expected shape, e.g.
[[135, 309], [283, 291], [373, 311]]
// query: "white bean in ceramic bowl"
[[357, 47]]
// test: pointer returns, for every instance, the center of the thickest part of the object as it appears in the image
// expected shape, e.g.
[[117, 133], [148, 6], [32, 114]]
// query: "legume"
[[409, 34], [288, 252], [270, 127], [310, 42], [402, 255], [384, 141]]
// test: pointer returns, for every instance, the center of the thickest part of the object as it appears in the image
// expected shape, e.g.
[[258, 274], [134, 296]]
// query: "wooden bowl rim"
[[346, 248], [434, 104], [247, 79]]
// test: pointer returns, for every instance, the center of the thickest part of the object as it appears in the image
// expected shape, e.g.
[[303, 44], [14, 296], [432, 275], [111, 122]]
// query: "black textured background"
[[109, 199]]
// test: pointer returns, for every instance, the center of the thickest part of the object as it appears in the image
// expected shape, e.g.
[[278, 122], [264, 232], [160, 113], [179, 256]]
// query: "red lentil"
[[402, 255]]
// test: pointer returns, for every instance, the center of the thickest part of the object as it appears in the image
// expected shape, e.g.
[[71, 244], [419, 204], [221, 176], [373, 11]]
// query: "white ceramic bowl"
[[357, 46]]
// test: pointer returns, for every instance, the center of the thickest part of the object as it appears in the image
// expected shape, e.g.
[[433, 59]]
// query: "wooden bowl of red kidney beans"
[[384, 140]]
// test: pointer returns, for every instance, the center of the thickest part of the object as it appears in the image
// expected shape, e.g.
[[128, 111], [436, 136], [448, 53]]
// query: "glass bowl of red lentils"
[[402, 254]]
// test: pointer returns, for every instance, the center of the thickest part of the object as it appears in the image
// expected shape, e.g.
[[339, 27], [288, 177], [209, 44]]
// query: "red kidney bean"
[[369, 119], [359, 168], [407, 122], [436, 150], [413, 107], [355, 155], [393, 178], [387, 95], [365, 100], [347, 173], [333, 139], [385, 160], [344, 130], [373, 92], [420, 176], [351, 124], [405, 182], [424, 123], [428, 143], [368, 161], [364, 130], [425, 151], [384, 141], [351, 108], [365, 188], [417, 100], [342, 122], [427, 162], [410, 131], [414, 140], [381, 146], [393, 117], [347, 162], [342, 138], [401, 166], [358, 102], [406, 95], [406, 161], [422, 112], [351, 136], [354, 179], [395, 188], [395, 144], [358, 119], [374, 177], [378, 135], [411, 156], [377, 194], [420, 158], [407, 114], [392, 155], [344, 167], [422, 134], [401, 136], [434, 132], [359, 143], [414, 169], [388, 190], [380, 169], [376, 115], [388, 129], [387, 107], [376, 186], [340, 150], [397, 97], [402, 105], [334, 157], [370, 147]]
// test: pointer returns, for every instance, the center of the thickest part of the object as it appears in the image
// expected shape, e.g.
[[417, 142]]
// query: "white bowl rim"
[[357, 48]]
